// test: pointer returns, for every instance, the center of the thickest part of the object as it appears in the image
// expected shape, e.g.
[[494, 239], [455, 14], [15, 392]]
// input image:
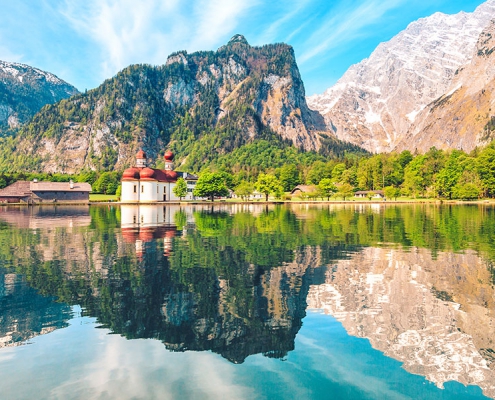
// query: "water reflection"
[[236, 280], [436, 315]]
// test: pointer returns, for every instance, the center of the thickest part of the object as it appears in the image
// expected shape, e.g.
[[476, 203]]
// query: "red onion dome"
[[169, 156], [131, 173], [141, 155], [147, 173]]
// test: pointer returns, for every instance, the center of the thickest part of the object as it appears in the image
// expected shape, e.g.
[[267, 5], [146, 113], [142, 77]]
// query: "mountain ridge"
[[202, 105], [375, 102], [24, 90]]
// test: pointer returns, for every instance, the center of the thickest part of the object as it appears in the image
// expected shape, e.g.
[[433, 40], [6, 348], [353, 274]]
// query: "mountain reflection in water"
[[236, 280]]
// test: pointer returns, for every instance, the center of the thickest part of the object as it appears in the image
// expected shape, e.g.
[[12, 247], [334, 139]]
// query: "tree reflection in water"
[[235, 279]]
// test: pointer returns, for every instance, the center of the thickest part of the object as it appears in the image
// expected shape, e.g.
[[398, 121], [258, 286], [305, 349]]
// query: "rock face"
[[464, 117], [434, 314], [240, 93], [376, 101], [24, 90]]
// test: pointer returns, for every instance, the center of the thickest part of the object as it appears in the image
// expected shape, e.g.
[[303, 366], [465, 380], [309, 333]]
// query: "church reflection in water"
[[213, 298], [143, 224], [238, 281]]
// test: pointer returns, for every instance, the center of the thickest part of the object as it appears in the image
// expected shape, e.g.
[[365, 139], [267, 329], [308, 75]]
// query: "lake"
[[221, 301]]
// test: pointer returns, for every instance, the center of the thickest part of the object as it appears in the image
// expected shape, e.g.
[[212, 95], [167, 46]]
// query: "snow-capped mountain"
[[24, 90], [464, 117], [375, 102]]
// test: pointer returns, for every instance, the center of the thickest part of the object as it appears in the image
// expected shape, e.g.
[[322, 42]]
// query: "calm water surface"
[[247, 302]]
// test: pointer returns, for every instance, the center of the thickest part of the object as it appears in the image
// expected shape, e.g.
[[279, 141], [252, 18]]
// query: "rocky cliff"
[[201, 105], [376, 101], [24, 90], [433, 313], [462, 118]]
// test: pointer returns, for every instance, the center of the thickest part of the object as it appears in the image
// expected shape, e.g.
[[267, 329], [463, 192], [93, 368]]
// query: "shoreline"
[[288, 202]]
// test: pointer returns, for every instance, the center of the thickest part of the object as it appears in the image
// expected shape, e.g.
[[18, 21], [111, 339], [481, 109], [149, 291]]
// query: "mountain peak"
[[238, 39]]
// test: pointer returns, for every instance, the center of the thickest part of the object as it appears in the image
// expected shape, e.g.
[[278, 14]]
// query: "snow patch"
[[372, 117]]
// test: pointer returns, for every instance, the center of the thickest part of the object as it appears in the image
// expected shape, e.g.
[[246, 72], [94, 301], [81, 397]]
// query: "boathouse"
[[34, 192]]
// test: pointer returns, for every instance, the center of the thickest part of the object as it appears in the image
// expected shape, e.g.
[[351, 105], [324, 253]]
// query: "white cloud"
[[346, 25], [216, 18], [128, 32]]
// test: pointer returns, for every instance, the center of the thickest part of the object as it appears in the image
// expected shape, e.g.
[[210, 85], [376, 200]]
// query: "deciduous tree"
[[268, 184], [180, 188], [210, 185]]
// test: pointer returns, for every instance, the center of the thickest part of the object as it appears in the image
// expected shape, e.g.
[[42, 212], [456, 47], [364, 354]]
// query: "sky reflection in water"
[[237, 283]]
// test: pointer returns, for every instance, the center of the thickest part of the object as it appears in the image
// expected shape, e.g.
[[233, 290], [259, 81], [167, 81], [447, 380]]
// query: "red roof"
[[141, 154], [149, 174]]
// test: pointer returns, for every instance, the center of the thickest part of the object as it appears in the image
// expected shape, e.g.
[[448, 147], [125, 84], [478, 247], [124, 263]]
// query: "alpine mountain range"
[[433, 84]]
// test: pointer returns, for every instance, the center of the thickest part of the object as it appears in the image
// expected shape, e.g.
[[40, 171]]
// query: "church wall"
[[128, 194], [147, 191]]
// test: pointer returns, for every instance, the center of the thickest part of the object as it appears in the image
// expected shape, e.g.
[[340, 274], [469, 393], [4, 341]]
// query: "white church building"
[[142, 184]]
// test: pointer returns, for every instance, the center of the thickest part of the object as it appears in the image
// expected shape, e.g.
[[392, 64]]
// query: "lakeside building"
[[299, 189], [142, 184], [34, 192], [374, 194]]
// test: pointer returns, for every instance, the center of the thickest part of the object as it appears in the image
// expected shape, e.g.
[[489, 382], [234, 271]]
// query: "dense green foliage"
[[211, 185], [176, 105]]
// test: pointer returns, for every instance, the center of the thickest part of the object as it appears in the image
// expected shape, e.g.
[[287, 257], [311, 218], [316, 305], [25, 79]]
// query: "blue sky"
[[87, 41]]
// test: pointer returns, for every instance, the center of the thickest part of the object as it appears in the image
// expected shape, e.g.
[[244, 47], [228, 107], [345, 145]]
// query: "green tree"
[[289, 177], [107, 183], [180, 188], [244, 190], [448, 176], [317, 172], [210, 185], [469, 186], [345, 191], [466, 191], [391, 192], [486, 169], [337, 172], [267, 184], [327, 188]]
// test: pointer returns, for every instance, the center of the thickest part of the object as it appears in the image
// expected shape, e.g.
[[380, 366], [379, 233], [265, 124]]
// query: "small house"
[[299, 189], [34, 192], [374, 194]]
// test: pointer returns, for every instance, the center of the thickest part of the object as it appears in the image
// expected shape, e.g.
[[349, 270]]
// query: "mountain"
[[24, 90], [432, 312], [463, 117], [376, 101], [203, 105]]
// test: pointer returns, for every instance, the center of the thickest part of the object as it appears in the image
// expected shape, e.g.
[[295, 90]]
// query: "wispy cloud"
[[127, 32], [345, 25], [216, 18], [291, 10]]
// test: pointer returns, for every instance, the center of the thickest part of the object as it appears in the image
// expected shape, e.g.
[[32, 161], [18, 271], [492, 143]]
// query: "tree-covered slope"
[[203, 105]]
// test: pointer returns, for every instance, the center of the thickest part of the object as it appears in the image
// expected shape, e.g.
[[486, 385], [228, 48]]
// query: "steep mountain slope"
[[464, 117], [24, 90], [376, 101], [202, 105]]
